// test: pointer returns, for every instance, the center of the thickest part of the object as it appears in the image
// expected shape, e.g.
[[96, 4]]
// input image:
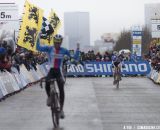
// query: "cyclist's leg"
[[60, 83], [119, 70], [48, 77], [113, 71]]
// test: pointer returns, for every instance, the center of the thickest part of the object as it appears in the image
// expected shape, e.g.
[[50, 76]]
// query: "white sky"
[[105, 15]]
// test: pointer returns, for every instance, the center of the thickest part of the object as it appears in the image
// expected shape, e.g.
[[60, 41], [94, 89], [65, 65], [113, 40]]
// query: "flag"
[[47, 29], [47, 33], [30, 26], [54, 21]]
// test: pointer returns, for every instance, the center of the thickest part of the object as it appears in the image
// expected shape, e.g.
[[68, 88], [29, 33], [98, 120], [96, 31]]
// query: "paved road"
[[91, 104]]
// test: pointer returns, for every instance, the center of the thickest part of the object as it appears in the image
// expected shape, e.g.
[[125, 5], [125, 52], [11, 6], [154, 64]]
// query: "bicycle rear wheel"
[[117, 85], [55, 111]]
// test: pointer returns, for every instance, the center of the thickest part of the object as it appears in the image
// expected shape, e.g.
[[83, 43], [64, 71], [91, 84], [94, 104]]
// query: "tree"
[[124, 41], [146, 39]]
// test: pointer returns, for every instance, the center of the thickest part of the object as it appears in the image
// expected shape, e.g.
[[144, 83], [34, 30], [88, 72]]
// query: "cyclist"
[[55, 56], [117, 61]]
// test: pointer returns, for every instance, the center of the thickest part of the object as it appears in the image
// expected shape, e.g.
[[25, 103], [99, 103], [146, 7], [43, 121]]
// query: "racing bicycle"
[[55, 102]]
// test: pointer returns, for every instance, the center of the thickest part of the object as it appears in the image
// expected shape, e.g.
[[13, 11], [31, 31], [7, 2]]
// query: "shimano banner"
[[105, 68]]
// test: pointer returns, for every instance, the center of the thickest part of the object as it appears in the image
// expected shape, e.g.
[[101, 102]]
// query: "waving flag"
[[54, 21], [30, 26], [47, 31], [46, 27]]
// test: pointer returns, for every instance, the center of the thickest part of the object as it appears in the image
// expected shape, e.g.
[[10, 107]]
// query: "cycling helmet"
[[122, 52], [58, 38], [115, 53]]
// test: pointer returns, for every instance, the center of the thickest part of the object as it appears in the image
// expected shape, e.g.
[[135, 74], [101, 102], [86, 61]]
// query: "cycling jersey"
[[56, 57], [117, 59]]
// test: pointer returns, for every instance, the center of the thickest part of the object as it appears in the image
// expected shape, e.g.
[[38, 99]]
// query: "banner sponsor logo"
[[137, 33], [105, 68]]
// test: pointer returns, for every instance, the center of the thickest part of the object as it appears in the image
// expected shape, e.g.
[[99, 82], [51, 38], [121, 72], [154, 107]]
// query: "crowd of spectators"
[[106, 56], [15, 57], [153, 55], [10, 58]]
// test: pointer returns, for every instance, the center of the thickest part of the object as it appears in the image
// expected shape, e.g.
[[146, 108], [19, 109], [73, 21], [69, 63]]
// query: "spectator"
[[98, 57], [5, 62]]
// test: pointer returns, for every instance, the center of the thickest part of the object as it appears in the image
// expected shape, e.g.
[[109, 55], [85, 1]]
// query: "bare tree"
[[146, 39], [124, 41]]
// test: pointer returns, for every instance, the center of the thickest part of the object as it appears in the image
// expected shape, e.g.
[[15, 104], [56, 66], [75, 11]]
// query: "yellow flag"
[[54, 21], [48, 41], [30, 26]]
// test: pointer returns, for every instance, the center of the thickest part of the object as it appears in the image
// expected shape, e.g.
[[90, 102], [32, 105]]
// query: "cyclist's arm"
[[76, 55], [40, 47], [112, 58], [122, 62]]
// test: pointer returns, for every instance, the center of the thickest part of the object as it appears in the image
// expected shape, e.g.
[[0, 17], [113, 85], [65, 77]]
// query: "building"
[[107, 42], [77, 29], [65, 43], [152, 11]]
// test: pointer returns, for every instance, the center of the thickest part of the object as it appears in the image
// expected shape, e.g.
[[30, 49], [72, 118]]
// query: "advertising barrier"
[[35, 75], [12, 81], [3, 88], [17, 77], [15, 81], [24, 73], [40, 75], [105, 68], [1, 94], [5, 78], [154, 75], [42, 70]]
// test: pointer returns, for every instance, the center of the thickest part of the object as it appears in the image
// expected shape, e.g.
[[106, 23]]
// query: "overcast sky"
[[105, 15]]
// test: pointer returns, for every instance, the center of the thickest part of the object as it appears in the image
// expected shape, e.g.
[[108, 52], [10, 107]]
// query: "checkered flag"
[[47, 29]]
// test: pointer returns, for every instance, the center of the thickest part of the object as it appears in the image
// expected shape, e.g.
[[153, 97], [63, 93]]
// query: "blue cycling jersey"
[[56, 56], [118, 59]]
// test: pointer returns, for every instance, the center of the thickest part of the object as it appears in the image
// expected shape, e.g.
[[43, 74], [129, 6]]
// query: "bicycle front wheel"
[[55, 118], [55, 111]]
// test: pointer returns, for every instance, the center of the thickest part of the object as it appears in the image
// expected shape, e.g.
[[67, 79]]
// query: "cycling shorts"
[[116, 64]]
